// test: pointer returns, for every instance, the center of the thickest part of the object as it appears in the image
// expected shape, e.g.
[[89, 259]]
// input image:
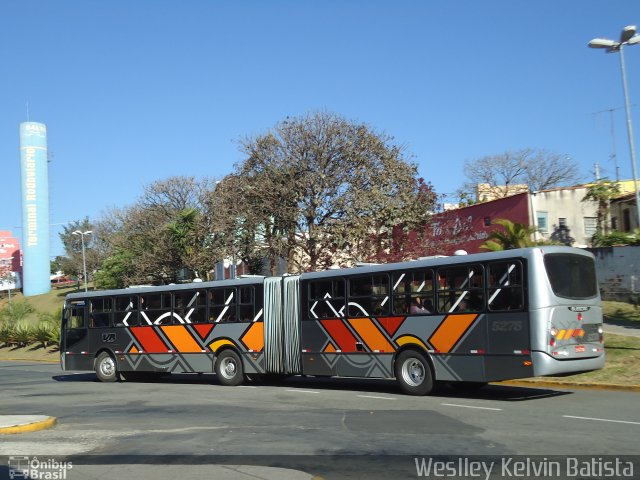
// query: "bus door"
[[75, 338]]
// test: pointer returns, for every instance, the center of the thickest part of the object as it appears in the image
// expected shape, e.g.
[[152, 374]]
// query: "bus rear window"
[[571, 276]]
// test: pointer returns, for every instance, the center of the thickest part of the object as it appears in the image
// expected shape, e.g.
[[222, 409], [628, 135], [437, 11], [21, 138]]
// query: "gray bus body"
[[473, 318]]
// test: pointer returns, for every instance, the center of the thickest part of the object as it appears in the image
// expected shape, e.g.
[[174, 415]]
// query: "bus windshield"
[[571, 276]]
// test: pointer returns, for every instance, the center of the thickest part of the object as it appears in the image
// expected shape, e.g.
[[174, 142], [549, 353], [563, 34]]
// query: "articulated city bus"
[[471, 318]]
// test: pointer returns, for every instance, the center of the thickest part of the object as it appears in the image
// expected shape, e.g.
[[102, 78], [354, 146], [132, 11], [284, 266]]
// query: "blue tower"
[[35, 209]]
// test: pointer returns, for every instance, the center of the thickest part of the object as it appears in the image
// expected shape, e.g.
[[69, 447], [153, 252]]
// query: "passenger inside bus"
[[417, 306]]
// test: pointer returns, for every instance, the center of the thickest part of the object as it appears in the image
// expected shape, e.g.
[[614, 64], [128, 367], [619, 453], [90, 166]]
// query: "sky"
[[134, 91]]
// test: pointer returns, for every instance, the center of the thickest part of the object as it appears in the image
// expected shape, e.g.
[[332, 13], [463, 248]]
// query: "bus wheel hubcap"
[[413, 372], [108, 367], [229, 368]]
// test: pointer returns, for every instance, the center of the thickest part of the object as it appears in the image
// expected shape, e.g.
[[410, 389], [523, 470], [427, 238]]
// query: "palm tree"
[[602, 192], [514, 235]]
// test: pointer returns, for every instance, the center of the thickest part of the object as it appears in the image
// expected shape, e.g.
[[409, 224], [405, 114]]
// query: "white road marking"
[[247, 386], [471, 406], [379, 398], [602, 420], [301, 391]]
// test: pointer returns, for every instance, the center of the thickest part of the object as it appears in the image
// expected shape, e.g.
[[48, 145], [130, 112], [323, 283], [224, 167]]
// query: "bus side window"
[[100, 312], [76, 317], [413, 292], [126, 311], [245, 308], [505, 286], [190, 305], [326, 298], [461, 289], [222, 305], [368, 296]]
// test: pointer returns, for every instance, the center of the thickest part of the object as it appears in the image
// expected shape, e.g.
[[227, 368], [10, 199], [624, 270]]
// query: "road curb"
[[28, 360], [584, 386], [29, 427]]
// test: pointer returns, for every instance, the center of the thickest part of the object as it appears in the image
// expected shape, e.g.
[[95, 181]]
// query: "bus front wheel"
[[105, 367], [229, 368], [413, 373]]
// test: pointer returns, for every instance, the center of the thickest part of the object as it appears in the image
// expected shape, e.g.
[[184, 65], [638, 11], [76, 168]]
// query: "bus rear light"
[[527, 363], [553, 331], [552, 342], [579, 317]]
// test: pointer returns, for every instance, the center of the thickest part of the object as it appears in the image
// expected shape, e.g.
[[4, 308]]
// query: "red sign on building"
[[469, 227], [10, 256]]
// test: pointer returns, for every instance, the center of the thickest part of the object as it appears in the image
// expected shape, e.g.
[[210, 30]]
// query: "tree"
[[154, 240], [317, 189], [538, 169], [513, 235], [72, 262], [602, 192]]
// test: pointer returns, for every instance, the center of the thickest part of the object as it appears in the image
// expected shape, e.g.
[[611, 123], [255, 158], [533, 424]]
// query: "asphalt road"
[[333, 428]]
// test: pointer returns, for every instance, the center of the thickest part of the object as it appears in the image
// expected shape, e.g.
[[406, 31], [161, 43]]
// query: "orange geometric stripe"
[[329, 348], [450, 331], [370, 334], [133, 349], [254, 337], [181, 339]]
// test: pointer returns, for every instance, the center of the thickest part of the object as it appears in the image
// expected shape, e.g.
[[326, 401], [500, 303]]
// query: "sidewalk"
[[621, 327], [11, 424]]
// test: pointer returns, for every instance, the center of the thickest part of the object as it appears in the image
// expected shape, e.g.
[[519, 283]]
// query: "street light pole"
[[630, 132], [627, 37], [84, 261]]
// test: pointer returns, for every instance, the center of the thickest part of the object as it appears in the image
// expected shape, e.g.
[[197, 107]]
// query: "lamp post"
[[627, 37], [84, 261]]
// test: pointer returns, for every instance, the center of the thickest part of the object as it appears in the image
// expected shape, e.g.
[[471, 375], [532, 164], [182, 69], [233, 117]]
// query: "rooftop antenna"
[[613, 155]]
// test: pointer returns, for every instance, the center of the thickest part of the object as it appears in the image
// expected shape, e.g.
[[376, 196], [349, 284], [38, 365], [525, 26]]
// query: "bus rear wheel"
[[106, 368], [229, 368], [413, 373]]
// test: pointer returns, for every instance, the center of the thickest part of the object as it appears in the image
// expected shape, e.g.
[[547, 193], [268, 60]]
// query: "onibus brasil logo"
[[35, 468]]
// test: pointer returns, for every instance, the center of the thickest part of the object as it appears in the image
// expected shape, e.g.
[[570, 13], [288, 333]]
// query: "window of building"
[[413, 293], [542, 218], [562, 222], [590, 226], [626, 219], [327, 298]]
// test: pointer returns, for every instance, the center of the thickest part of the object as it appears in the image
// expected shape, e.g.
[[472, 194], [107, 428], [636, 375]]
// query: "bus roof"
[[452, 260], [166, 288]]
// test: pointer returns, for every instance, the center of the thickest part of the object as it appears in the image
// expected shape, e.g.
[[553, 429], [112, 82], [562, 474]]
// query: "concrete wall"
[[618, 270]]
